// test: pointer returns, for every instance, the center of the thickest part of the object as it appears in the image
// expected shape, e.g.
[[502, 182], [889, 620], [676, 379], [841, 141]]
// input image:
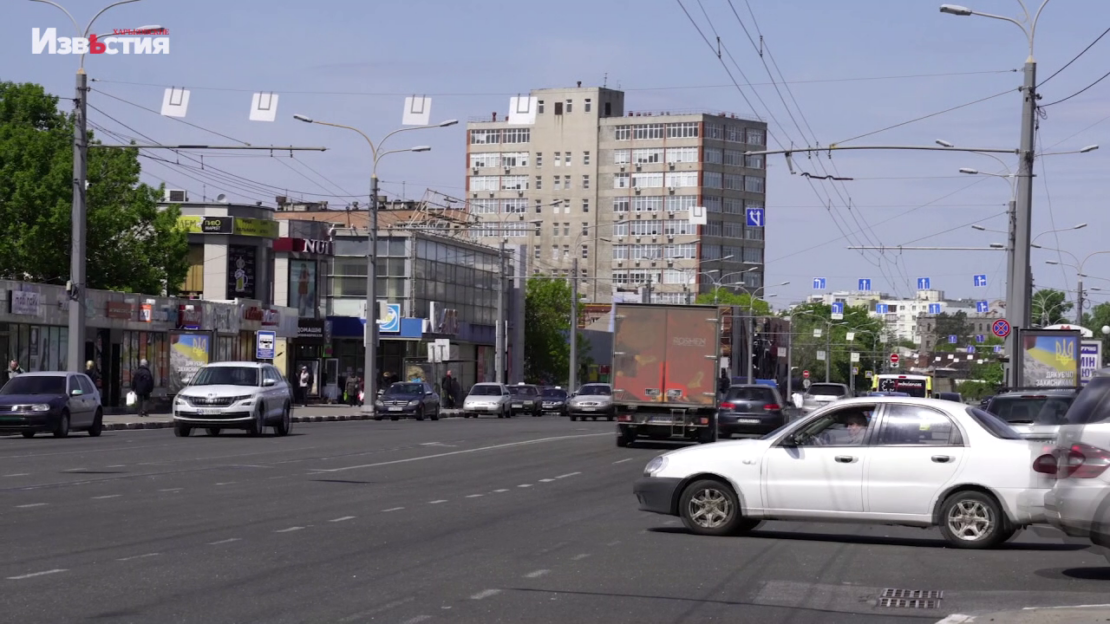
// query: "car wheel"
[[182, 430], [709, 507], [213, 431], [258, 425], [61, 430], [573, 418], [377, 418], [971, 519], [98, 425], [28, 434], [420, 413], [285, 425], [610, 418]]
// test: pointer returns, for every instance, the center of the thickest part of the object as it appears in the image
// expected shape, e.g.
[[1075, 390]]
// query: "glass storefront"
[[150, 346], [35, 347], [225, 349]]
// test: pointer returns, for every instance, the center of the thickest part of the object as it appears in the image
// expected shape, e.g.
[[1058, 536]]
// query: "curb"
[[296, 419]]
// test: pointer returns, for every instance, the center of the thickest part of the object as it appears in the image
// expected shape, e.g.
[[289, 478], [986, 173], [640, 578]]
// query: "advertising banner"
[[1049, 359], [1090, 359], [302, 287], [188, 353], [240, 272]]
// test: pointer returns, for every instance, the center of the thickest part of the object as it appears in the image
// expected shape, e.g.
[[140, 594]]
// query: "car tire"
[[972, 519], [28, 434], [212, 431], [435, 414], [625, 439], [258, 425], [710, 507], [98, 425], [610, 417], [420, 413], [285, 425], [377, 418], [573, 418], [61, 430], [182, 430]]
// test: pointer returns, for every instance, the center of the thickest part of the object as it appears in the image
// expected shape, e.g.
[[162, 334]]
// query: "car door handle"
[[942, 459], [845, 459]]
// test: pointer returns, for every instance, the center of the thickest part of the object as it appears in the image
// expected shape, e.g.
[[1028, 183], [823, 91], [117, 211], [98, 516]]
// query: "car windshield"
[[405, 388], [226, 376], [993, 424], [594, 390], [826, 390], [1031, 409], [485, 390], [750, 393], [34, 384], [553, 393], [524, 391]]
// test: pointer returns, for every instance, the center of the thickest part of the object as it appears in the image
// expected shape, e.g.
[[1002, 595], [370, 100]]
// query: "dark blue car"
[[55, 402]]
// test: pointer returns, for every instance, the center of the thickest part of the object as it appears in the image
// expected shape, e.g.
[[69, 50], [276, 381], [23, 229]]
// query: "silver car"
[[234, 395], [487, 398], [592, 400], [821, 394]]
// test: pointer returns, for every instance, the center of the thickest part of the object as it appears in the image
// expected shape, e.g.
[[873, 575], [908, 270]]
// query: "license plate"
[[661, 419], [207, 412], [589, 409], [748, 421], [518, 405], [394, 409]]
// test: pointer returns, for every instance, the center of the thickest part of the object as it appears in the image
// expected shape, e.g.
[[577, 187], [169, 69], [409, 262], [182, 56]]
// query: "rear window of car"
[[594, 390], [1092, 405], [826, 390], [750, 394], [1031, 409], [995, 426], [551, 393], [524, 390]]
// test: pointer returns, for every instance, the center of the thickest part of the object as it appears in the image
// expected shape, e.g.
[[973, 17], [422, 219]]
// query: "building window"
[[681, 251], [536, 253], [753, 255], [679, 227], [589, 105], [647, 156], [566, 229], [684, 130], [753, 184], [733, 230], [622, 133], [514, 183], [539, 159], [484, 183], [679, 276], [711, 179], [558, 183], [733, 206], [646, 228], [585, 182], [555, 248], [585, 156], [481, 161], [514, 159], [714, 131], [647, 180], [539, 183], [755, 137], [622, 157], [753, 233], [516, 135], [516, 205], [676, 203], [538, 232], [483, 206], [566, 252], [539, 107], [567, 159], [647, 204], [585, 252], [733, 181], [620, 204], [558, 108], [682, 155], [754, 161], [585, 205], [558, 158], [712, 203], [621, 180], [585, 229], [570, 106], [712, 156], [646, 132], [734, 158], [608, 109], [566, 182], [485, 137], [713, 228], [681, 179], [620, 229]]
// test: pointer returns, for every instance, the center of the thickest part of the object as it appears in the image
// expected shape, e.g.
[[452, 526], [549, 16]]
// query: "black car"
[[1036, 413], [525, 399], [554, 400], [54, 402], [948, 396], [411, 399], [750, 410]]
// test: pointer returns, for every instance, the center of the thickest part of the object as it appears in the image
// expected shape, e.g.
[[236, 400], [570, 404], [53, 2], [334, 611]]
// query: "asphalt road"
[[464, 521]]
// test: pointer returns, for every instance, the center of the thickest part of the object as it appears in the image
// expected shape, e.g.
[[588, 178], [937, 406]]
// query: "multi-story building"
[[580, 182]]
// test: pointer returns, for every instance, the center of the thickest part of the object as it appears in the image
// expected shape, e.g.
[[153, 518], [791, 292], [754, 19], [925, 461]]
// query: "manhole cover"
[[910, 598], [913, 593]]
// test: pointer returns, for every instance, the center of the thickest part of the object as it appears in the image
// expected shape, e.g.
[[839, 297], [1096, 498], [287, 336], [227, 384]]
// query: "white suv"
[[234, 395]]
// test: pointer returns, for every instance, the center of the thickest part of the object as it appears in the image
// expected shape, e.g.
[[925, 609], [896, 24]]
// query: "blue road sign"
[[865, 284], [1001, 328], [882, 308], [971, 348], [934, 308], [980, 338], [982, 307], [998, 348], [264, 345], [923, 283], [980, 281], [819, 283], [755, 217], [952, 339], [838, 310]]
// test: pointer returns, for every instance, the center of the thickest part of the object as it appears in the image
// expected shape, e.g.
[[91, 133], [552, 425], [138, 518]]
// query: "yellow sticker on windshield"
[[924, 427]]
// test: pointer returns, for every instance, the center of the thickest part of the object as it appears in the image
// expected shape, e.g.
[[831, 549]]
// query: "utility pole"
[[751, 341], [499, 331], [1021, 272], [828, 352], [790, 362], [75, 352], [370, 354], [1079, 305], [573, 377]]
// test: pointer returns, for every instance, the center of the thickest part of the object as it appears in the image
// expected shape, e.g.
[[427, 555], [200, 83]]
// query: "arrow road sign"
[[952, 339], [818, 283], [934, 308], [923, 283], [755, 217], [837, 310], [982, 307], [980, 338], [981, 281], [882, 308], [865, 284]]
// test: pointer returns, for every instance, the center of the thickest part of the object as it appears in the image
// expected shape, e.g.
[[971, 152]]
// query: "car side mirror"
[[790, 441], [76, 392], [269, 382]]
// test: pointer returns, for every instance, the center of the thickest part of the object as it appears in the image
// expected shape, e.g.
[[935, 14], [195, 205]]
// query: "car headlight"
[[40, 407], [379, 404], [245, 399], [655, 466], [414, 402]]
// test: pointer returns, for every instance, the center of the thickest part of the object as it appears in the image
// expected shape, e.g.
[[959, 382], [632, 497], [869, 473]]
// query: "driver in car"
[[857, 427]]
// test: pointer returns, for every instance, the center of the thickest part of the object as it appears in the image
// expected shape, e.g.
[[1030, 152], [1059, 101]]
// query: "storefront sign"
[[310, 328], [190, 316], [305, 246], [23, 302], [271, 318], [118, 310], [146, 313], [253, 313], [261, 228], [241, 275], [1090, 359]]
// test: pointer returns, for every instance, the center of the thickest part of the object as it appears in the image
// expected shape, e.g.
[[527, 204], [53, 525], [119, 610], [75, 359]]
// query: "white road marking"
[[476, 496], [117, 466], [139, 557], [34, 574], [621, 461], [436, 502], [18, 474], [613, 543], [76, 470], [417, 619], [386, 607], [580, 557], [107, 496], [462, 452], [28, 506], [485, 593], [525, 485], [343, 519], [568, 475], [289, 530], [227, 483], [392, 509], [547, 480], [502, 490], [171, 490], [536, 574], [957, 618], [226, 541]]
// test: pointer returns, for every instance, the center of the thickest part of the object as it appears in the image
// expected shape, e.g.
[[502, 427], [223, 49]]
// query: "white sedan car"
[[881, 460]]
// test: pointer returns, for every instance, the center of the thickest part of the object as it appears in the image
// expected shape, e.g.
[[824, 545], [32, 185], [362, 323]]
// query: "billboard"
[[1049, 358], [1090, 359], [302, 287], [188, 353]]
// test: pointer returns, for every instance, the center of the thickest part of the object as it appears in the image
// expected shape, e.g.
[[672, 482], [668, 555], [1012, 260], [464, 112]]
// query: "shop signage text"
[[305, 246], [190, 316], [118, 310], [23, 302]]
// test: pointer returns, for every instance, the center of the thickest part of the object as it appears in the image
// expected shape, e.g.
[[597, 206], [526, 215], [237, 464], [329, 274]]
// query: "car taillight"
[[1045, 464], [772, 406], [624, 418], [727, 405], [1084, 461]]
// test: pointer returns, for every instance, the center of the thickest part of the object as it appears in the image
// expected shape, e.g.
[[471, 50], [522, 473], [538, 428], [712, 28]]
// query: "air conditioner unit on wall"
[[175, 195]]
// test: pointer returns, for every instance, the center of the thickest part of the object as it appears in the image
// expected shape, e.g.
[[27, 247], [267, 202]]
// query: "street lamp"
[[1080, 274], [370, 337]]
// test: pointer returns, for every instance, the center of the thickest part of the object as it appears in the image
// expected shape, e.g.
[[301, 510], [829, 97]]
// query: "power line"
[[151, 110], [1076, 93], [916, 119], [1084, 51]]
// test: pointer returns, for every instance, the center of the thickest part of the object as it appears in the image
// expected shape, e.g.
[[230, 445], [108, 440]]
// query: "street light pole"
[[572, 378], [499, 331]]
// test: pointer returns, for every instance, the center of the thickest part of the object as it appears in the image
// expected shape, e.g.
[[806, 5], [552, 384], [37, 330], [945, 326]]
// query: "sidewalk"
[[1082, 614], [310, 414]]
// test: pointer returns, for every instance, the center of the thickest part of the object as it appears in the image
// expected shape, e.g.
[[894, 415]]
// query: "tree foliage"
[[547, 304], [1095, 320], [131, 245], [867, 342], [723, 296], [1050, 307]]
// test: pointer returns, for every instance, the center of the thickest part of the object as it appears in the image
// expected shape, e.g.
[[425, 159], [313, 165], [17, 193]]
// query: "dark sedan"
[[411, 399], [54, 402], [554, 400], [525, 399], [750, 410]]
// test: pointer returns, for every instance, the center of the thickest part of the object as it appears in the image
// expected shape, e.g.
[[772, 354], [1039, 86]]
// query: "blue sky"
[[352, 62]]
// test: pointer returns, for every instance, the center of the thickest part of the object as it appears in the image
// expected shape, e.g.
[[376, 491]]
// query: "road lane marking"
[[613, 543], [226, 541], [462, 452], [343, 519], [289, 530], [34, 574], [171, 490], [139, 557], [227, 483], [18, 474], [76, 470], [547, 480], [502, 490], [392, 509], [107, 496], [116, 466], [524, 485], [28, 506], [417, 619], [621, 461], [537, 574], [386, 607], [436, 502], [485, 593], [476, 496], [571, 474], [580, 557]]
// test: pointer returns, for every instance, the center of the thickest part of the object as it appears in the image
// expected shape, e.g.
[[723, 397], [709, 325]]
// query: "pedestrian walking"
[[450, 387], [93, 374], [142, 384], [14, 370], [351, 389], [304, 384]]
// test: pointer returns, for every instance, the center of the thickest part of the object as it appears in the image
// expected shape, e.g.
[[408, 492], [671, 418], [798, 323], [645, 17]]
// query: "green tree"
[[131, 245], [1050, 307], [1095, 320], [723, 296], [867, 341], [547, 303]]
